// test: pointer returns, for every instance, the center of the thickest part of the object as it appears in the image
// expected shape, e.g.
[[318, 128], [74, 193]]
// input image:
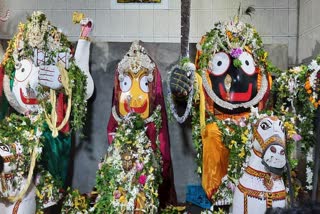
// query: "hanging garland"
[[129, 177], [297, 92], [189, 68]]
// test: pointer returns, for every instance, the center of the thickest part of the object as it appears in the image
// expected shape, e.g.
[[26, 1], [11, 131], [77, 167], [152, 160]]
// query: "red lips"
[[28, 100], [236, 96], [140, 109]]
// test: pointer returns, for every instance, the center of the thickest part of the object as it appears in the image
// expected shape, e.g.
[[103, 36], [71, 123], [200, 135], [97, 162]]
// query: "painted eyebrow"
[[269, 121]]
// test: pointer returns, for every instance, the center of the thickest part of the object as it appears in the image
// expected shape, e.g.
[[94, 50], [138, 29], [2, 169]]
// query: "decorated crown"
[[232, 37], [135, 60]]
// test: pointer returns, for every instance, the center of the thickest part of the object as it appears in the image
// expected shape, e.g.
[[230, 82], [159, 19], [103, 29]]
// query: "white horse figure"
[[261, 185], [9, 180]]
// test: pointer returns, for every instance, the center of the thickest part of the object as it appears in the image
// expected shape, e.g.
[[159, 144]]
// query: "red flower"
[[142, 179]]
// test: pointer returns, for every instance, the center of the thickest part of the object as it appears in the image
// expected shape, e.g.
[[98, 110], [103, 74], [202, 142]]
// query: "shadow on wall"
[[315, 52]]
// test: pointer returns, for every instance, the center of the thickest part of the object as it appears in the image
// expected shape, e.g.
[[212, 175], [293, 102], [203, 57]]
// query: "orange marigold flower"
[[309, 91], [229, 34], [307, 85], [316, 105]]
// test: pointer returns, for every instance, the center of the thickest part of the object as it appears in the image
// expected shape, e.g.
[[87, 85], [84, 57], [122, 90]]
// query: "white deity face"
[[25, 85], [270, 142]]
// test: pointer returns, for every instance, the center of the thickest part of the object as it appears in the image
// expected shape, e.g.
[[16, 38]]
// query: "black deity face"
[[234, 80]]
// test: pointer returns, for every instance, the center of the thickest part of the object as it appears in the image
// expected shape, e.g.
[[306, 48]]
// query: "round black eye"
[[125, 83], [219, 63], [22, 70], [264, 126], [247, 62]]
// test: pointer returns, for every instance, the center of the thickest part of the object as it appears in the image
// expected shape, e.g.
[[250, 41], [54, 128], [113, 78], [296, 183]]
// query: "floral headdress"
[[135, 60], [233, 37]]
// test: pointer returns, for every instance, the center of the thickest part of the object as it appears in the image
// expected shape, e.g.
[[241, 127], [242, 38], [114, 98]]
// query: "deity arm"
[[82, 53]]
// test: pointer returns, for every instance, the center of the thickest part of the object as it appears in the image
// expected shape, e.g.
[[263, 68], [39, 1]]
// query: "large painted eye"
[[4, 147], [23, 70], [247, 63], [144, 84], [265, 126], [219, 63], [125, 85]]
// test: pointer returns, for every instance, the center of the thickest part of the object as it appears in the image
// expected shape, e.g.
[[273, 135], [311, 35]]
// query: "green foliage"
[[237, 63], [77, 81]]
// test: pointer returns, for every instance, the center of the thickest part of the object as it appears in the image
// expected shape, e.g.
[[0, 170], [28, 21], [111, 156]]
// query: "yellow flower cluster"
[[290, 129], [80, 203], [242, 152]]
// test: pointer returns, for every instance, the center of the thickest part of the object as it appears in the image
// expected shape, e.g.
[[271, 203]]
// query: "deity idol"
[[138, 137], [44, 83], [231, 77]]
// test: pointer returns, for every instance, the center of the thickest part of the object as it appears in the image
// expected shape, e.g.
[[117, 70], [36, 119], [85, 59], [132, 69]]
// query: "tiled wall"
[[276, 20], [309, 30]]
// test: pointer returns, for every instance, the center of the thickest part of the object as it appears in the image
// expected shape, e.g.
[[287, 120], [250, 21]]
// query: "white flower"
[[314, 66], [310, 155], [39, 150], [254, 111]]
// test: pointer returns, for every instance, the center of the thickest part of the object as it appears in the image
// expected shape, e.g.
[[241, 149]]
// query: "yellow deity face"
[[134, 94]]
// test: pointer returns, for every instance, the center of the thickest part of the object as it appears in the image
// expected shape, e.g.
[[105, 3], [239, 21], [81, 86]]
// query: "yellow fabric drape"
[[215, 159], [214, 155], [202, 104]]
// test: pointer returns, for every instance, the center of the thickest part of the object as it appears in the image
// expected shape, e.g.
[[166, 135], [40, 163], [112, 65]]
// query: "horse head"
[[269, 143], [9, 153]]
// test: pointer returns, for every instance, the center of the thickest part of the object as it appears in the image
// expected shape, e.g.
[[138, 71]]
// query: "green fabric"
[[4, 106], [12, 80], [56, 154]]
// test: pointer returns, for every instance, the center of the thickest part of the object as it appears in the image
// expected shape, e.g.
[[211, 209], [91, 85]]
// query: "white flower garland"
[[313, 77], [181, 119], [309, 171], [146, 121]]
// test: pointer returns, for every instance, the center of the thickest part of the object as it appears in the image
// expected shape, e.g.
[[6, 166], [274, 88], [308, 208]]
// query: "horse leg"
[[28, 202], [238, 202]]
